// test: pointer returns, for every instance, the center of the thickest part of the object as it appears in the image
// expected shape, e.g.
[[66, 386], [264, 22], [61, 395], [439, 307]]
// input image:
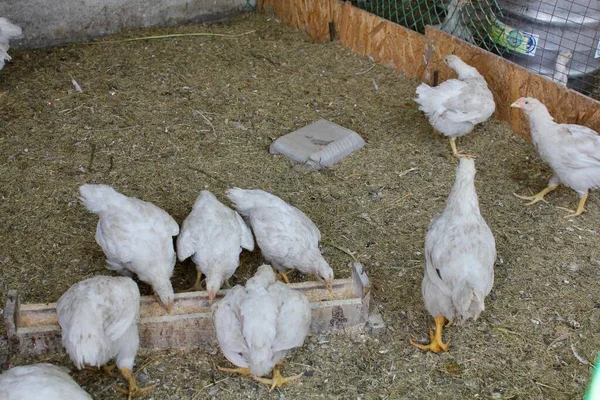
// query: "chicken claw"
[[580, 207], [283, 276], [277, 380], [538, 196], [134, 390], [197, 283], [435, 340], [455, 151]]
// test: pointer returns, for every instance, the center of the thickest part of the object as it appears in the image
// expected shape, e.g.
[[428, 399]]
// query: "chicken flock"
[[257, 324]]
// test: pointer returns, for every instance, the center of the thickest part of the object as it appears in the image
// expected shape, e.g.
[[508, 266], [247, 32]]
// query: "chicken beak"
[[516, 104], [211, 296], [170, 305], [330, 285]]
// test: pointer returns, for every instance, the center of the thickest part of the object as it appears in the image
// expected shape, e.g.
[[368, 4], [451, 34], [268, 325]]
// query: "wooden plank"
[[33, 328], [362, 32], [387, 43], [419, 55], [509, 81]]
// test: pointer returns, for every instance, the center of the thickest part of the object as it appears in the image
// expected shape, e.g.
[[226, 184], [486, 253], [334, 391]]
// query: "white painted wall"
[[51, 22]]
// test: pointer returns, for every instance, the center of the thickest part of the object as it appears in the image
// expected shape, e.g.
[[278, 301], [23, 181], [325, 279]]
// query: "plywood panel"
[[364, 33], [388, 43], [508, 82], [312, 16], [419, 55]]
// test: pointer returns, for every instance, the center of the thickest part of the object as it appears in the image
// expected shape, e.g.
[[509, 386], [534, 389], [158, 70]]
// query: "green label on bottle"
[[514, 39]]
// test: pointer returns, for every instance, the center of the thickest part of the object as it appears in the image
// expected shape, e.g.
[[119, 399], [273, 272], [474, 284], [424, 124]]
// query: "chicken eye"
[[526, 102]]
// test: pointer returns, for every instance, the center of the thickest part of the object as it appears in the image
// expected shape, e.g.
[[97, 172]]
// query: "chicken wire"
[[558, 39]]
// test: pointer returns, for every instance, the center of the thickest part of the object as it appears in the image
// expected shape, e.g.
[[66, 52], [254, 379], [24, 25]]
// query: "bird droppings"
[[136, 127]]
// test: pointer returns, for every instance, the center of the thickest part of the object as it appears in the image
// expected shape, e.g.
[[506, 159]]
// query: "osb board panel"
[[419, 55], [388, 43], [364, 33], [508, 82], [312, 16]]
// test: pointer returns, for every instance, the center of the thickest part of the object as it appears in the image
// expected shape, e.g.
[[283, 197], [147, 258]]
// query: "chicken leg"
[[435, 340], [283, 276], [196, 286], [108, 369], [277, 380], [134, 390], [580, 206], [241, 371], [538, 196], [455, 151]]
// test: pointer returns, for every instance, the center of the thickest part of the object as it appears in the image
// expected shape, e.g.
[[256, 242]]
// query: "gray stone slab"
[[320, 144]]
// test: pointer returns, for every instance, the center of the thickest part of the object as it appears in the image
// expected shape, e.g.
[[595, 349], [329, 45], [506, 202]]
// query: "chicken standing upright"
[[460, 252], [287, 238], [98, 318], [40, 381], [214, 236], [572, 151], [8, 31], [457, 105], [136, 237], [258, 324]]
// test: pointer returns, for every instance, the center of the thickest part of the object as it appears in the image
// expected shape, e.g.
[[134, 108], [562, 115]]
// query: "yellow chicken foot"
[[435, 340], [134, 390], [108, 369], [283, 276], [197, 283], [580, 206], [455, 151], [277, 380], [241, 371], [538, 196]]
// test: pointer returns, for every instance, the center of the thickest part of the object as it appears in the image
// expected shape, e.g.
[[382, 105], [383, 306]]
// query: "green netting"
[[475, 21]]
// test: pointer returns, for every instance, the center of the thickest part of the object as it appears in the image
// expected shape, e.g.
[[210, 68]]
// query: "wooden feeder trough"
[[33, 329]]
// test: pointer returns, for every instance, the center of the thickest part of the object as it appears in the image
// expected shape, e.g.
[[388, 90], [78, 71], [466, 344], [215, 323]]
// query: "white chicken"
[[40, 381], [258, 324], [460, 252], [136, 237], [214, 236], [8, 31], [98, 318], [457, 105], [572, 151], [287, 238]]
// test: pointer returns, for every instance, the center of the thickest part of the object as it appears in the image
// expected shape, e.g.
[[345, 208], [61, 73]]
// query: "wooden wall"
[[419, 55]]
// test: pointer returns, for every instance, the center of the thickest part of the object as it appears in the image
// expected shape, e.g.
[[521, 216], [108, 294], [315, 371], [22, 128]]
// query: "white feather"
[[8, 32], [572, 151], [460, 252], [136, 237], [98, 318], [457, 105], [214, 235], [258, 324], [40, 381], [286, 236]]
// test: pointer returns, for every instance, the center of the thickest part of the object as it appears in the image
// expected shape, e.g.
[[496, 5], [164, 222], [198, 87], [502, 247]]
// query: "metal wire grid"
[[555, 38], [566, 35]]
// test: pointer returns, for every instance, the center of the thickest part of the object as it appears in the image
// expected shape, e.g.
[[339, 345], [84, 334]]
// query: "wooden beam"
[[33, 329]]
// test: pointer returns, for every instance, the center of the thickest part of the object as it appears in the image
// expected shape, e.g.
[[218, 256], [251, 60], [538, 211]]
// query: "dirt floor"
[[163, 119]]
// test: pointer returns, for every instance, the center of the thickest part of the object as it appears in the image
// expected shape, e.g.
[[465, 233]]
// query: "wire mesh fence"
[[559, 39]]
